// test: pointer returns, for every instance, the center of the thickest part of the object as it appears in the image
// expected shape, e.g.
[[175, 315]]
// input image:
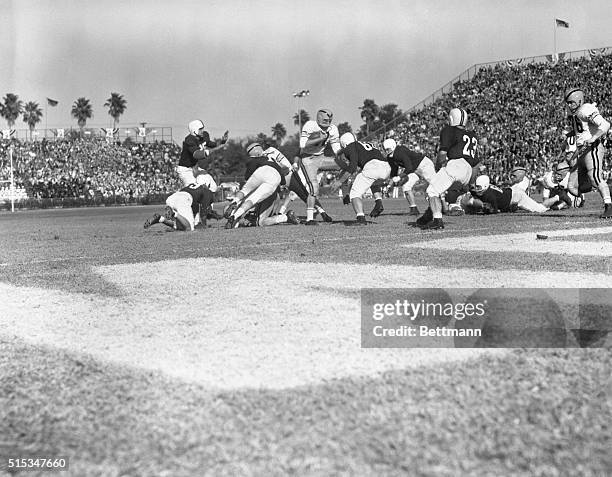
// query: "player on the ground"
[[315, 135], [457, 156], [588, 127], [557, 196], [182, 206], [196, 146], [372, 165], [520, 180], [506, 199], [294, 180], [416, 166], [263, 179]]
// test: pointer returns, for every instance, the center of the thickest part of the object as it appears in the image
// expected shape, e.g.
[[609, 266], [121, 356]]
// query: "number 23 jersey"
[[459, 143]]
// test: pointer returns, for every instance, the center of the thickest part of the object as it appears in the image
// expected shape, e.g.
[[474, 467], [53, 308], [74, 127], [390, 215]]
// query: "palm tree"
[[278, 133], [369, 113], [32, 114], [300, 118], [116, 107], [82, 111], [11, 108]]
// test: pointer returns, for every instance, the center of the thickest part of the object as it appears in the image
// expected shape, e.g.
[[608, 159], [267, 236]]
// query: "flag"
[[562, 23], [52, 102]]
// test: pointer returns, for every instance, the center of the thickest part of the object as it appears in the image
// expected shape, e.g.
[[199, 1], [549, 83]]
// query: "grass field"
[[238, 352]]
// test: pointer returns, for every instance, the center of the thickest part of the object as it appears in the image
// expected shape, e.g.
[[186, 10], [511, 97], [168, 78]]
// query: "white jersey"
[[548, 181], [311, 130], [275, 155], [585, 123]]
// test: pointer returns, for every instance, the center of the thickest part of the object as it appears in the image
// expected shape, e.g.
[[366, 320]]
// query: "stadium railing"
[[473, 70]]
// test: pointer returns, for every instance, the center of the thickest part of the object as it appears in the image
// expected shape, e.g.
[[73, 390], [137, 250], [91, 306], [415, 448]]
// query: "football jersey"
[[311, 130], [359, 154], [201, 196], [277, 157], [191, 144], [255, 163], [406, 158], [585, 123], [459, 143], [498, 198]]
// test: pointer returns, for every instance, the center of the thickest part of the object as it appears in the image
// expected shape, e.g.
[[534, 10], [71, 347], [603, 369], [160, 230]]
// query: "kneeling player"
[[182, 206], [373, 167]]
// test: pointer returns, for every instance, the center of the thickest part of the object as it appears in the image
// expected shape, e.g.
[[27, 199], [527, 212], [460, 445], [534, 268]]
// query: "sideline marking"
[[275, 325], [526, 242]]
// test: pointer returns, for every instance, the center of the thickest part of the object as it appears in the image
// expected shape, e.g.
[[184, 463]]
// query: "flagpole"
[[555, 40]]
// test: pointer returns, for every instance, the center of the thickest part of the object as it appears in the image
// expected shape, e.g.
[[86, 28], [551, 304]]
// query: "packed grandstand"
[[516, 110]]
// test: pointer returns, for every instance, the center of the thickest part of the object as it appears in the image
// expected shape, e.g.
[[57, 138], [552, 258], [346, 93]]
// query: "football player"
[[519, 179], [457, 156], [557, 195], [416, 166], [294, 179], [182, 206], [506, 199], [196, 147], [315, 135], [588, 127], [372, 165], [263, 179]]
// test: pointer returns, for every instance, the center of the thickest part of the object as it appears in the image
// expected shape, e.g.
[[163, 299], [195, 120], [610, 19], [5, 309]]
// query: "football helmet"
[[482, 184], [457, 117], [346, 139], [574, 98], [389, 146], [518, 173], [254, 150], [196, 127], [324, 118], [561, 169]]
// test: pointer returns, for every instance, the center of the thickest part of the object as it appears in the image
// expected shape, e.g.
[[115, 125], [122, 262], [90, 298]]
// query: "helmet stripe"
[[572, 91]]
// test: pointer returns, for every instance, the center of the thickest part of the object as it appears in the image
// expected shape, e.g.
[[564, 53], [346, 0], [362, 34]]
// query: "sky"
[[235, 63]]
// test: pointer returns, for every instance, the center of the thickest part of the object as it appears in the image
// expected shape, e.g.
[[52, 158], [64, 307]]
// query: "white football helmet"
[[324, 118], [195, 127], [560, 171], [389, 146], [346, 139], [482, 184], [574, 98], [457, 117]]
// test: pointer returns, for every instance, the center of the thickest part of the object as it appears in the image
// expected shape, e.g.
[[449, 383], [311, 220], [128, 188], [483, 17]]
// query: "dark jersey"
[[255, 163], [406, 158], [191, 144], [359, 154], [459, 143], [201, 197], [499, 199]]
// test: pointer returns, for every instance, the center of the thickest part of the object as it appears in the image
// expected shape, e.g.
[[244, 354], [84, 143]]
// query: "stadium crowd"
[[516, 111]]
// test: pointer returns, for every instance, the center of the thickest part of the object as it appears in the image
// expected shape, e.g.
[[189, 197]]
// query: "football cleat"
[[377, 210], [361, 220], [311, 222], [230, 210], [326, 217], [413, 211], [425, 218], [231, 222], [152, 220], [434, 224], [607, 213], [291, 218]]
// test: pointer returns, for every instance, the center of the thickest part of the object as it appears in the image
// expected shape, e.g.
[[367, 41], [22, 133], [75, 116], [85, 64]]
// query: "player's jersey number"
[[469, 146]]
